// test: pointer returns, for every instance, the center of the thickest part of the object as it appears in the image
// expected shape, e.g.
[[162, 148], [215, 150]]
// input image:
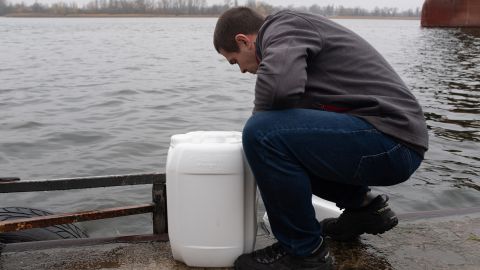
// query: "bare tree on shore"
[[3, 7]]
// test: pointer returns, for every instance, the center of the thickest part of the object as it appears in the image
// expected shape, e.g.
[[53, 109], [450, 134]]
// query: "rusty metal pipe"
[[81, 183], [57, 219]]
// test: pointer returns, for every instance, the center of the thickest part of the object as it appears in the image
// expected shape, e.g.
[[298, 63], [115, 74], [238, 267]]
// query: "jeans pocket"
[[387, 168]]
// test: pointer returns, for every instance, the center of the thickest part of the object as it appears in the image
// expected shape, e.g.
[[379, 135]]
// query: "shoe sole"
[[393, 221]]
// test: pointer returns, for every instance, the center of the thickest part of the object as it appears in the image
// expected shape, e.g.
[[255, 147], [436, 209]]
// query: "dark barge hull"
[[451, 13]]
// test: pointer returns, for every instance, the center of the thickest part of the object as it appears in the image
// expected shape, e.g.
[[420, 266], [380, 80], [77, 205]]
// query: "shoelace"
[[269, 254]]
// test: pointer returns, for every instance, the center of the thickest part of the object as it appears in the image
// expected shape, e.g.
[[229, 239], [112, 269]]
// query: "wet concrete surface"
[[438, 243]]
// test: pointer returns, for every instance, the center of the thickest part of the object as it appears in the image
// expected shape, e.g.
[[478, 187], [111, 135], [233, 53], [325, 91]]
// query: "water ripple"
[[30, 125], [78, 137]]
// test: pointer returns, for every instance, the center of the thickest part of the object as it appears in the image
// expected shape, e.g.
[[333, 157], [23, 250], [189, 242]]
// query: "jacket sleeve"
[[286, 45]]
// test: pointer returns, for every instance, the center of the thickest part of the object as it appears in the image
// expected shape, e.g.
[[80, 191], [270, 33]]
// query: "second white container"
[[323, 209]]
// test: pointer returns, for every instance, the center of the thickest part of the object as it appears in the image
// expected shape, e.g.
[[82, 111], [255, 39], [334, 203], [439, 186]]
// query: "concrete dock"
[[451, 242]]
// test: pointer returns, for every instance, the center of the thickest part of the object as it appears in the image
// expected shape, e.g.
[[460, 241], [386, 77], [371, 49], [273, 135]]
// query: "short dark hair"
[[238, 20]]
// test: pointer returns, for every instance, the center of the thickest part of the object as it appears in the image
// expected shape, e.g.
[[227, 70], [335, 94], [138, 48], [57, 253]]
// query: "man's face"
[[245, 58]]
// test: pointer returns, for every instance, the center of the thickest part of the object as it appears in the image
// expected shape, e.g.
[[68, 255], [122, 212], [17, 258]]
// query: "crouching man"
[[331, 117]]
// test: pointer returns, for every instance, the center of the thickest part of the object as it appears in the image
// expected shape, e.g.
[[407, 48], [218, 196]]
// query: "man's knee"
[[255, 128], [250, 131]]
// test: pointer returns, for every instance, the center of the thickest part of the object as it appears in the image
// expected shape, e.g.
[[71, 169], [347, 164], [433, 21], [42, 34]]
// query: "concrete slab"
[[439, 243]]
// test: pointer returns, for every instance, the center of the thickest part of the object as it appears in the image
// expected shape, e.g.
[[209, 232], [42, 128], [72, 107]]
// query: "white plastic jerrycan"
[[210, 199], [323, 209]]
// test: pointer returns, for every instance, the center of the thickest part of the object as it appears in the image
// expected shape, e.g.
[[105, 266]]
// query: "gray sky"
[[368, 4]]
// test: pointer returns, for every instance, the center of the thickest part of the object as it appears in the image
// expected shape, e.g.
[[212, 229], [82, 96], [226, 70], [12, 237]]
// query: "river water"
[[101, 96]]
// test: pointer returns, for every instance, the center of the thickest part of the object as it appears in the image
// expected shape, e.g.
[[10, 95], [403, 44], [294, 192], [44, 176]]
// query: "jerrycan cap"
[[210, 137]]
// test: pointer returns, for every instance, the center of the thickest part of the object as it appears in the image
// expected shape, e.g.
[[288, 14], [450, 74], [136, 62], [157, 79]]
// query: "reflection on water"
[[448, 73], [103, 96]]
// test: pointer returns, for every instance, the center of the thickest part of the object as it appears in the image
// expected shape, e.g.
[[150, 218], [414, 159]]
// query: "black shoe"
[[274, 257], [375, 218]]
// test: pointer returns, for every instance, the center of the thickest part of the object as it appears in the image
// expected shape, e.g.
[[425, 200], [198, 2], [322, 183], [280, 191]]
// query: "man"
[[331, 118]]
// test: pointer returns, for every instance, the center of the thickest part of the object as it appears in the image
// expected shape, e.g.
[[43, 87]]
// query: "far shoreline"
[[146, 15], [106, 15]]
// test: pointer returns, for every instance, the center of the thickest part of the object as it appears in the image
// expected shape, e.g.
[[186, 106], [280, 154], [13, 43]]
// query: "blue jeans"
[[299, 152]]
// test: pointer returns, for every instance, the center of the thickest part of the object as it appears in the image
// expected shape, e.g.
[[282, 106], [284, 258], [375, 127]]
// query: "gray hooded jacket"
[[308, 61]]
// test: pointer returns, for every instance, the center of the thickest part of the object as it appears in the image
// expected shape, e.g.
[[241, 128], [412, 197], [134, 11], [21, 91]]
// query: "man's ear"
[[242, 39]]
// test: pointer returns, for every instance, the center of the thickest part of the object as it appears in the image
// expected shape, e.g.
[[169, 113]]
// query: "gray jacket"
[[308, 61]]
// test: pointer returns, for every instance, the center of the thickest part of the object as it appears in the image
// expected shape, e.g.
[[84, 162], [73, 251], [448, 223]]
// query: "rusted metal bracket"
[[159, 196], [158, 207], [9, 179]]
